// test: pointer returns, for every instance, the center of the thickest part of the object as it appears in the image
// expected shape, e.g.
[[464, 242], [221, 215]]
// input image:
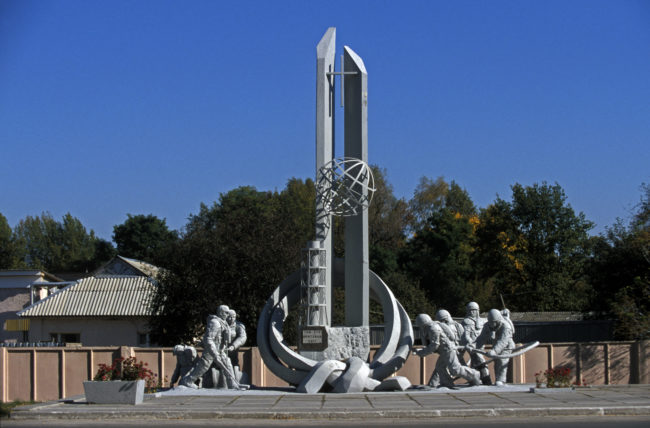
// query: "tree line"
[[531, 252]]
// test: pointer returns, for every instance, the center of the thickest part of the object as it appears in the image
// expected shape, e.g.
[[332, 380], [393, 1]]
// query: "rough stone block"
[[343, 343]]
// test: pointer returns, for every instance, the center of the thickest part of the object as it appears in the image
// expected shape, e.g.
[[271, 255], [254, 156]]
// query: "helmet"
[[422, 319], [222, 311], [232, 313], [471, 306], [178, 349], [494, 315], [494, 318], [443, 315]]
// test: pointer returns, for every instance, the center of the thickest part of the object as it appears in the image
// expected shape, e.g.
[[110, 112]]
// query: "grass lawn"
[[5, 408]]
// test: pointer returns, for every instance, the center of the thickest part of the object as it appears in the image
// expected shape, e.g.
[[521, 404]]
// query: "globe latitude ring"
[[345, 186]]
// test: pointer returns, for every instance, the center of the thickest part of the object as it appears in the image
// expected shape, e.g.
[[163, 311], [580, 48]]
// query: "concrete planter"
[[114, 392]]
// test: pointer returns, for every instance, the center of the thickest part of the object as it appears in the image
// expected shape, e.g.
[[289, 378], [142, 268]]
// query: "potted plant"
[[123, 382]]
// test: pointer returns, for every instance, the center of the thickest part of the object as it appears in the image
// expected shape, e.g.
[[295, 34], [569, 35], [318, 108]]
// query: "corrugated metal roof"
[[97, 296], [120, 265], [144, 267]]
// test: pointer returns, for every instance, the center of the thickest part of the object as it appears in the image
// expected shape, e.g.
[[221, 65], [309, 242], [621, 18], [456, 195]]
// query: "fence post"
[[33, 393], [91, 364], [4, 379], [161, 367], [606, 358], [423, 369], [644, 364], [61, 354], [635, 364], [127, 352], [578, 362]]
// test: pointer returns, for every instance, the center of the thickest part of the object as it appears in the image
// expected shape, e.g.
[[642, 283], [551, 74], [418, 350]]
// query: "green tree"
[[620, 273], [144, 237], [388, 218], [428, 197], [47, 244], [438, 259], [535, 249], [234, 252], [439, 254], [7, 248]]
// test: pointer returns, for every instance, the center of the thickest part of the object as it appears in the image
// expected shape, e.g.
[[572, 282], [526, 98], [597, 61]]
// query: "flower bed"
[[123, 382]]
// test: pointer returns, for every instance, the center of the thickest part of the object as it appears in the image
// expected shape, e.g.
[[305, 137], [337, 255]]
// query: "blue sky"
[[109, 108]]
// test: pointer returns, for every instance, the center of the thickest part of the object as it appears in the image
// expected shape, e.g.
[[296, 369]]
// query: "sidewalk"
[[514, 401]]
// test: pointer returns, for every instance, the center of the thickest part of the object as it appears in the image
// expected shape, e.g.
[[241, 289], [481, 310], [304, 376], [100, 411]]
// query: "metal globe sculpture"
[[345, 186]]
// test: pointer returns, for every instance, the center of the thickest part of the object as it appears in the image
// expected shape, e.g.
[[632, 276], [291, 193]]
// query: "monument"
[[336, 358], [344, 188]]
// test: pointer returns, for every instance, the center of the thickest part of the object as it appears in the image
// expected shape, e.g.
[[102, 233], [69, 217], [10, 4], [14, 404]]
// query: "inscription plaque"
[[313, 338]]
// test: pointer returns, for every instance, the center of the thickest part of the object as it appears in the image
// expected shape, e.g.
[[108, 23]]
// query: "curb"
[[335, 415]]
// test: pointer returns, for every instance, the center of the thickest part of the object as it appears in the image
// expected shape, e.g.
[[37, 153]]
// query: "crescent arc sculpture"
[[293, 368]]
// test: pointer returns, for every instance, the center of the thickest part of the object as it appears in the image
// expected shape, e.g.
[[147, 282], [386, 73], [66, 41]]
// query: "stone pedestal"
[[343, 343]]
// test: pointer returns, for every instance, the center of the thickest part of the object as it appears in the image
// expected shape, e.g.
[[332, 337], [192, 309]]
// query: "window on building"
[[147, 339], [66, 337], [143, 339]]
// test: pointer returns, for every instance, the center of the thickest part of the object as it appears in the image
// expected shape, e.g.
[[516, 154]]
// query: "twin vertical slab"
[[355, 99]]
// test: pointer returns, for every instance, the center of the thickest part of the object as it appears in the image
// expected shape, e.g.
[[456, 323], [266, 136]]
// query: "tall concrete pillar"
[[325, 54], [357, 275]]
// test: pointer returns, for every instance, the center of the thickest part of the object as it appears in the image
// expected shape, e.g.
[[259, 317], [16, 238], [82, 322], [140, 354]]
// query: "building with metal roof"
[[97, 296], [100, 310], [18, 289]]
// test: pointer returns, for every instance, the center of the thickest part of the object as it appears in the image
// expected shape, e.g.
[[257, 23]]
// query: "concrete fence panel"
[[19, 375], [43, 373]]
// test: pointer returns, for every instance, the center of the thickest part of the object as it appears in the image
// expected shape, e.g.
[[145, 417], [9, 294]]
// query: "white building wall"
[[92, 331]]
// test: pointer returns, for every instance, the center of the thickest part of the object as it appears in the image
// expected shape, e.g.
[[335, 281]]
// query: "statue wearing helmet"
[[434, 339], [215, 342], [453, 329], [472, 327], [237, 339], [185, 357], [502, 342]]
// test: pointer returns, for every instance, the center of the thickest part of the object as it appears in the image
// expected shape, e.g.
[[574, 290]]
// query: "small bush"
[[558, 377], [124, 369]]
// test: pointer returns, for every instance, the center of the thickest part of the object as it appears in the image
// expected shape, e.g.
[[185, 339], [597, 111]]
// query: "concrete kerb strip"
[[334, 415]]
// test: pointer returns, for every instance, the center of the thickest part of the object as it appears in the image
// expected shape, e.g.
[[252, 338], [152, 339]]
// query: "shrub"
[[558, 377], [124, 369]]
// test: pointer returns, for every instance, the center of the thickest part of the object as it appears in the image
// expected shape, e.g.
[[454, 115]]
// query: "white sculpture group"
[[450, 340], [218, 365]]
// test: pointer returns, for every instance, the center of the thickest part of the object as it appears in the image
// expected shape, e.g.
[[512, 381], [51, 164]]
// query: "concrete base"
[[417, 390], [114, 392]]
